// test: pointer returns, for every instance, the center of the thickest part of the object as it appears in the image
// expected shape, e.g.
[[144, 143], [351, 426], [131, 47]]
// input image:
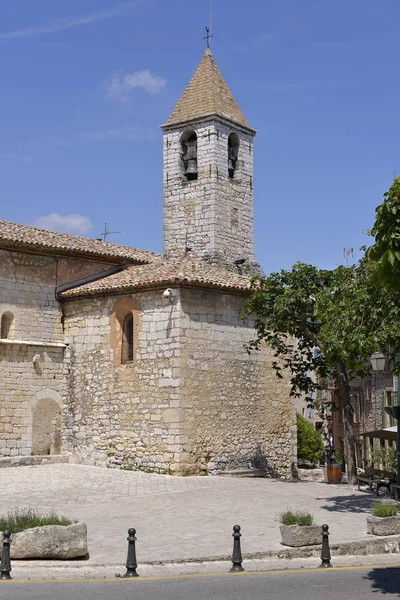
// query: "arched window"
[[6, 323], [127, 339], [189, 154], [233, 151]]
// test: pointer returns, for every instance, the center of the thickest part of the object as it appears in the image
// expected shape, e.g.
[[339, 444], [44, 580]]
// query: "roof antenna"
[[105, 233], [348, 253], [209, 29]]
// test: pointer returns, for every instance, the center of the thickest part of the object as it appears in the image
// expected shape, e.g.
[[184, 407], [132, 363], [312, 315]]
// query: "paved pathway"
[[178, 518]]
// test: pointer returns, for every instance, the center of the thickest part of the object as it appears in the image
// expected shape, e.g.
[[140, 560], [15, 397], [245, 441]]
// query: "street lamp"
[[378, 361]]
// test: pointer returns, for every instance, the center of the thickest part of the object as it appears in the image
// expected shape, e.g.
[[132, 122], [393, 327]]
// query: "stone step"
[[243, 473], [37, 459]]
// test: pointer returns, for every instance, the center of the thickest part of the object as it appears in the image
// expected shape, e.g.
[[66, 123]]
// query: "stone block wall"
[[30, 392], [123, 414], [213, 215], [237, 413], [191, 401]]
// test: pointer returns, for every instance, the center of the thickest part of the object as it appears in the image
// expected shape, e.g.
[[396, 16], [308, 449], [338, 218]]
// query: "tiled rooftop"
[[192, 272], [207, 93], [14, 235]]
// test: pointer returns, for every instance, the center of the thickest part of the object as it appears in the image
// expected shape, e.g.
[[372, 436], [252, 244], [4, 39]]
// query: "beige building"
[[112, 355]]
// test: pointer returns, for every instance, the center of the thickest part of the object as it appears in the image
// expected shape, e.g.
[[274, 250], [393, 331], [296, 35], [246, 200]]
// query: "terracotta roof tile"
[[14, 235], [207, 93], [188, 271]]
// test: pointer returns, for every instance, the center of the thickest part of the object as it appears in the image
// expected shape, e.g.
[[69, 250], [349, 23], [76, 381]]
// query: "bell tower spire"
[[208, 171]]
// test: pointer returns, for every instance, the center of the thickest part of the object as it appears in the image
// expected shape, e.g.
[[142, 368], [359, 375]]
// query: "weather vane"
[[209, 29]]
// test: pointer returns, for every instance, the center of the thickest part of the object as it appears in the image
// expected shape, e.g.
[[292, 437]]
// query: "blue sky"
[[85, 85]]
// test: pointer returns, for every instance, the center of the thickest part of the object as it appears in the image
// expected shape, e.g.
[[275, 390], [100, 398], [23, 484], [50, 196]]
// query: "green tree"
[[385, 252], [309, 442], [323, 324]]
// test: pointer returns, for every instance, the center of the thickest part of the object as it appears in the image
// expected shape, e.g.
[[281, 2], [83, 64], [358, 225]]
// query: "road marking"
[[196, 575]]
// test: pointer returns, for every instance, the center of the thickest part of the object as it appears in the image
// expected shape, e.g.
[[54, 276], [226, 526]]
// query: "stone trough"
[[50, 541]]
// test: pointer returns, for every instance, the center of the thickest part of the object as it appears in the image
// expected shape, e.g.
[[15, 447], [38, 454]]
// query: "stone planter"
[[297, 535], [50, 541], [311, 474], [383, 525]]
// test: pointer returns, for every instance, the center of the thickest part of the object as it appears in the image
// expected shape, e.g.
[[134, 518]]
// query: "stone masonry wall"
[[123, 414], [191, 401], [213, 215], [30, 392], [237, 413]]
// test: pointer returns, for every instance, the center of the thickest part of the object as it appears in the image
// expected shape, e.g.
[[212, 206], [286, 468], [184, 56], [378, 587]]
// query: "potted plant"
[[384, 519], [334, 467], [298, 529]]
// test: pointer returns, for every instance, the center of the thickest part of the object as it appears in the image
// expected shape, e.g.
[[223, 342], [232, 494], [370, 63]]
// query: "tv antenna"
[[348, 253], [106, 233]]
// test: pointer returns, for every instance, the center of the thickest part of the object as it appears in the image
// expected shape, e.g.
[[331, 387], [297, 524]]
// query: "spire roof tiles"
[[207, 93]]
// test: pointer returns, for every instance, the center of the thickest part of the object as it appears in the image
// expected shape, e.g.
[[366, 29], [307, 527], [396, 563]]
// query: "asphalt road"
[[364, 583]]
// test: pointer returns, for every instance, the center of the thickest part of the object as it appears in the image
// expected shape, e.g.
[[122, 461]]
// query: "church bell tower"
[[208, 172]]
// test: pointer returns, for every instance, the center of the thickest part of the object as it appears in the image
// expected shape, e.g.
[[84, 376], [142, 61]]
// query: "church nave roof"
[[14, 235], [168, 272]]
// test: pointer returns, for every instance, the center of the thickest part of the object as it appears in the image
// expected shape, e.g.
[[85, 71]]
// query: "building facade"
[[112, 355]]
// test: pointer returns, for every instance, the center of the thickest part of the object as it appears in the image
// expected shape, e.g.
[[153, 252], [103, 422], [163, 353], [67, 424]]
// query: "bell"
[[231, 167], [191, 169]]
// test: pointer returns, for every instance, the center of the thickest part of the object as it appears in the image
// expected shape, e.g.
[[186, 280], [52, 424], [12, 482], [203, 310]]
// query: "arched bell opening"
[[233, 152], [189, 154]]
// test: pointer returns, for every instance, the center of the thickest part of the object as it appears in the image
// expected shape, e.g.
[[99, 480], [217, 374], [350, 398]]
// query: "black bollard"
[[325, 552], [237, 553], [131, 564], [5, 565]]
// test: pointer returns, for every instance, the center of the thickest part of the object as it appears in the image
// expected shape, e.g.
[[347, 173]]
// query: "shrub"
[[21, 519], [384, 509], [309, 442], [384, 457], [296, 518]]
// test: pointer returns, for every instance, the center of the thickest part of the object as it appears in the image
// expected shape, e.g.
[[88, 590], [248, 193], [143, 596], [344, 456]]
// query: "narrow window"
[[127, 339], [233, 151], [189, 154], [234, 218], [6, 322]]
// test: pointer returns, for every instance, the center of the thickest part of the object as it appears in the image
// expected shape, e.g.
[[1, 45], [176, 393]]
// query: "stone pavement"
[[179, 518]]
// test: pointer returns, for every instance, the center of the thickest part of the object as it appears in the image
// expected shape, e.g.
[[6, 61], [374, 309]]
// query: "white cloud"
[[68, 22], [120, 85], [66, 224]]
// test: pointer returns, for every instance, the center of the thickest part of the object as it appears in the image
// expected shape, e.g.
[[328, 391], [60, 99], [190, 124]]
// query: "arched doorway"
[[45, 419]]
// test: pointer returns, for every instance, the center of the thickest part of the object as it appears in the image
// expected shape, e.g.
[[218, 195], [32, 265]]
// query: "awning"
[[389, 433]]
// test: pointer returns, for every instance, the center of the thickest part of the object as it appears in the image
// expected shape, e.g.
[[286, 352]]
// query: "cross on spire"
[[208, 37]]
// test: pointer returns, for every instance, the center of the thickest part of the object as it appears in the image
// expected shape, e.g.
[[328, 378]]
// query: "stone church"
[[115, 356]]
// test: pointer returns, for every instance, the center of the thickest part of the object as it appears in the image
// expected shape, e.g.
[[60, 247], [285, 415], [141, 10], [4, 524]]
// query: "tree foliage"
[[323, 324], [386, 230], [309, 442]]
